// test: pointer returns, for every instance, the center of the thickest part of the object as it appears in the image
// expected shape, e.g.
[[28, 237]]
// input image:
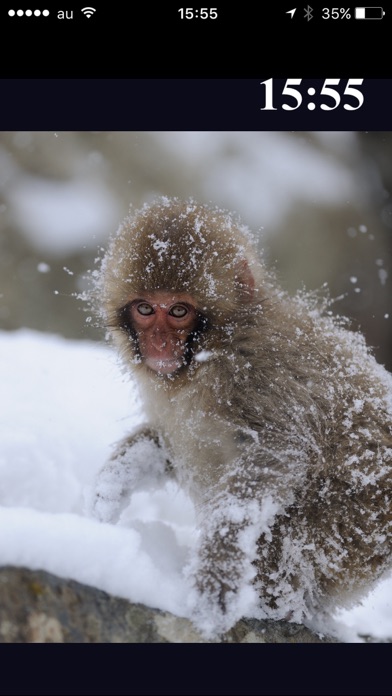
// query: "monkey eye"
[[178, 311], [145, 309]]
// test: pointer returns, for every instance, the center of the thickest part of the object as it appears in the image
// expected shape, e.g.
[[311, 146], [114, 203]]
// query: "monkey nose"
[[159, 341]]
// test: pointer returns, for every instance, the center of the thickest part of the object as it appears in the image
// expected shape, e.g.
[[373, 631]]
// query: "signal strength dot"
[[88, 11], [28, 13]]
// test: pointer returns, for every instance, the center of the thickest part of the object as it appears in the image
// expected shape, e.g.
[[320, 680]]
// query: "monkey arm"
[[239, 507], [139, 462], [242, 499], [222, 572]]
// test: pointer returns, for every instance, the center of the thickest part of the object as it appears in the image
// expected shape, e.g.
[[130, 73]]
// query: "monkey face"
[[163, 323]]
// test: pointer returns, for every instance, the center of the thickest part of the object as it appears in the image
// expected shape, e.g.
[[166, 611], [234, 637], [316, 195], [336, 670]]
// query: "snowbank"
[[65, 403]]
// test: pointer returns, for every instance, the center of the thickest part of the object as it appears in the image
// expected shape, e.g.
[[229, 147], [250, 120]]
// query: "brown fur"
[[281, 433]]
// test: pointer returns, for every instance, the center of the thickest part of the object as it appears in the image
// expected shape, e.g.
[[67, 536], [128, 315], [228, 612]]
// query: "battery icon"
[[369, 13]]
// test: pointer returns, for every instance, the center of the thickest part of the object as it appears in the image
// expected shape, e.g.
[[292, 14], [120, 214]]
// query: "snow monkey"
[[272, 414]]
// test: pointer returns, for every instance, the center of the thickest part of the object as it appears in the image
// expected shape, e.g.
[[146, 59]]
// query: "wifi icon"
[[88, 11]]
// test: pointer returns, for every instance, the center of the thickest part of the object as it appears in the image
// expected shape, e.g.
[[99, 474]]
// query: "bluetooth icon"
[[308, 13]]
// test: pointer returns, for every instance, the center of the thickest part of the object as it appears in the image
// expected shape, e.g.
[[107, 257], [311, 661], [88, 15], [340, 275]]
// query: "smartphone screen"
[[280, 115]]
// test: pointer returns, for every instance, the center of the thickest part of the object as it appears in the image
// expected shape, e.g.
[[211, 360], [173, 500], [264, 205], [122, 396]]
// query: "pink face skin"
[[163, 322]]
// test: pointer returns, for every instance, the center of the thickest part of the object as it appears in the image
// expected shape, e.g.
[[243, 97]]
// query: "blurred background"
[[321, 203]]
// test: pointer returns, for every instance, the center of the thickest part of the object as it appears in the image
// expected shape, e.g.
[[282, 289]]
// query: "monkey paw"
[[214, 613], [139, 463], [107, 500]]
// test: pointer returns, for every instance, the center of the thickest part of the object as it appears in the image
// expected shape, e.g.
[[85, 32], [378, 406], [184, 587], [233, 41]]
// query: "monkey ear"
[[245, 281]]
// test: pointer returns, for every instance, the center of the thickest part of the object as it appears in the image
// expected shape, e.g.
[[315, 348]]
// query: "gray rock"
[[37, 607]]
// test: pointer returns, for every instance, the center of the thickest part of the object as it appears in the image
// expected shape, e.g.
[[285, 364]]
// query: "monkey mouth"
[[164, 366]]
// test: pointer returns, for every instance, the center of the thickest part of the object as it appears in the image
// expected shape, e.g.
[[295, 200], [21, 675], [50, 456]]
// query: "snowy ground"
[[64, 404]]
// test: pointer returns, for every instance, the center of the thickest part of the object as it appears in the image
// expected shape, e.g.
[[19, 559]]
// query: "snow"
[[65, 403]]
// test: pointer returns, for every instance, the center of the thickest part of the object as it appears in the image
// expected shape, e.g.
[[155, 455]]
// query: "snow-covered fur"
[[279, 425]]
